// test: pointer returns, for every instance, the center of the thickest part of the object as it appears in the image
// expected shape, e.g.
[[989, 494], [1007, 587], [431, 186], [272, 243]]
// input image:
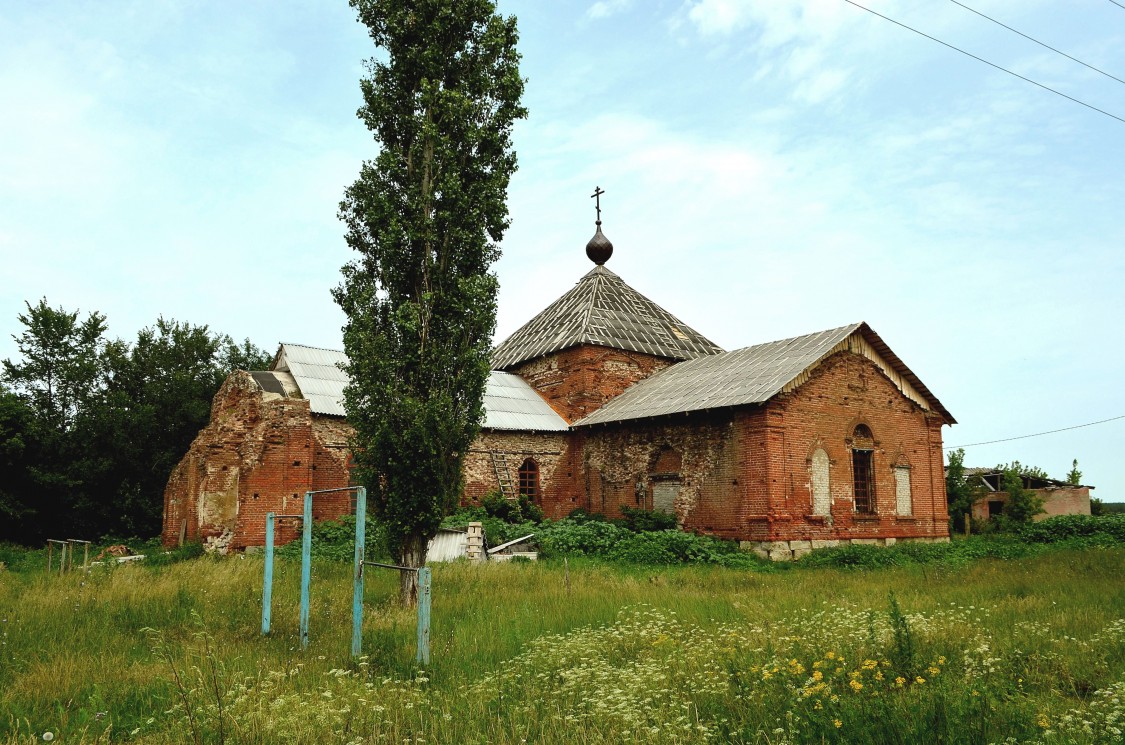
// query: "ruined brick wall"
[[842, 392], [689, 468], [259, 453], [1056, 501], [550, 450], [579, 380]]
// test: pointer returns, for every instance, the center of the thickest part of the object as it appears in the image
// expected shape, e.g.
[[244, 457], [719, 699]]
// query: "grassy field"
[[1031, 649]]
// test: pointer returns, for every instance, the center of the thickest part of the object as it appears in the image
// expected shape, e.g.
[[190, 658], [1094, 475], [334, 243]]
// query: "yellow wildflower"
[[1043, 722], [879, 675], [941, 660], [831, 655], [856, 686], [818, 706], [817, 675], [919, 680], [838, 723], [816, 664], [933, 670], [869, 664], [899, 681]]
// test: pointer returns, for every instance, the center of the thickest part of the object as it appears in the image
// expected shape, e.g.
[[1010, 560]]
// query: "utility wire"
[[1045, 46], [1119, 5], [990, 64], [1037, 434]]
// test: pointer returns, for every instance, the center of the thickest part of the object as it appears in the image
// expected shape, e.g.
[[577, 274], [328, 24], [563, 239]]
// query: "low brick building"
[[603, 401], [1059, 497]]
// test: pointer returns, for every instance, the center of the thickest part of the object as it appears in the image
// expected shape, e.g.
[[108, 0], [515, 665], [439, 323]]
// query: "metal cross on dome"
[[597, 197]]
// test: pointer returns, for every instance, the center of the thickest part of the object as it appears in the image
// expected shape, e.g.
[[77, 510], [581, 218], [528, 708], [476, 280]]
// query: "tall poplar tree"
[[425, 217]]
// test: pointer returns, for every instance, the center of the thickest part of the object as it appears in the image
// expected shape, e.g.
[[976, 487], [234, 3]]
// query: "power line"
[[1045, 46], [1119, 5], [990, 64], [1037, 434]]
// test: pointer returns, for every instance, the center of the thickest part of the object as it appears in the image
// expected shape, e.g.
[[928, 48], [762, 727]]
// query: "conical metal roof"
[[603, 310]]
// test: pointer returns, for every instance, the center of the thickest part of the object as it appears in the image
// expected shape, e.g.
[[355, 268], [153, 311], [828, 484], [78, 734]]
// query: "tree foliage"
[[1074, 476], [90, 428], [1023, 504], [960, 494], [424, 217]]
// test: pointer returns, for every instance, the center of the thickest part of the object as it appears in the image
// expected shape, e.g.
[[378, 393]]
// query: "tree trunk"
[[413, 556]]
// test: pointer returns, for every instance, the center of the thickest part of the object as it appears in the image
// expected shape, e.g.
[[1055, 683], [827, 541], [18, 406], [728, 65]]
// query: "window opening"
[[529, 479], [864, 480]]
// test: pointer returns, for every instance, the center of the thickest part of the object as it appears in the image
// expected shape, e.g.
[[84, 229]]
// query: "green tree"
[[425, 217], [1023, 504], [17, 456], [90, 429], [1074, 476], [61, 369], [959, 493]]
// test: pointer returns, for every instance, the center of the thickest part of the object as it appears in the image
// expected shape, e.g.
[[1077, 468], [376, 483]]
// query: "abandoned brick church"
[[605, 400]]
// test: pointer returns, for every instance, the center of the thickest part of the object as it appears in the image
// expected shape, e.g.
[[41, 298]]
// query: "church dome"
[[599, 249]]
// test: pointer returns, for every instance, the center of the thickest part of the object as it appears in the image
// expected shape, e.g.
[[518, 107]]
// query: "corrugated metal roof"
[[318, 375], [509, 402], [745, 376], [601, 309]]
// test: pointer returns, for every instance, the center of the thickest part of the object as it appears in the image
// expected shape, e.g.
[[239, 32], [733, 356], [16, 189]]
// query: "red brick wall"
[[746, 474], [550, 450], [845, 390], [260, 453], [1058, 501], [579, 380]]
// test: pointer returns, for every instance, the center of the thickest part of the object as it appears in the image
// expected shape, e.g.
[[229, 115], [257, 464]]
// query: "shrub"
[[1063, 527], [335, 540], [591, 538], [640, 521]]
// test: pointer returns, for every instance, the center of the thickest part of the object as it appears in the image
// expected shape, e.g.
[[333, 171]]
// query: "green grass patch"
[[1031, 648]]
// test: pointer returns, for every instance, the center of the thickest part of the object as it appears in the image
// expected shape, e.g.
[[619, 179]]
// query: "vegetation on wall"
[[91, 427]]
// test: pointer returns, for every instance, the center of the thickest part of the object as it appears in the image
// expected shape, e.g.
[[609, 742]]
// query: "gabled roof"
[[756, 374], [509, 402], [601, 309]]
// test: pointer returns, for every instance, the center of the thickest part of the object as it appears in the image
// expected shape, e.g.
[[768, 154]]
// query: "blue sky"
[[771, 169]]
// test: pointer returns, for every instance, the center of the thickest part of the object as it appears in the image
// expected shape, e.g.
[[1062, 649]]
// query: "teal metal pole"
[[357, 590], [306, 568], [267, 582], [424, 616]]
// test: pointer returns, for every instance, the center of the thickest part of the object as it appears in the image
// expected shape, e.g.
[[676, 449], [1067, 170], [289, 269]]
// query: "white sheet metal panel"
[[447, 545], [509, 402]]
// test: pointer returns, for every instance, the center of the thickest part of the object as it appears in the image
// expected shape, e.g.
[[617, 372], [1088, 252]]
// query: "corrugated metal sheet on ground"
[[509, 402]]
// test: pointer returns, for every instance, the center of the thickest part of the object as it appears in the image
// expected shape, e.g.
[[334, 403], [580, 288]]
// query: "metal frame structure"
[[424, 578]]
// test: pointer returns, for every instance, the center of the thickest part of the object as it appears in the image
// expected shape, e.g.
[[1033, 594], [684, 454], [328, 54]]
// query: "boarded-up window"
[[821, 495], [902, 491], [664, 495]]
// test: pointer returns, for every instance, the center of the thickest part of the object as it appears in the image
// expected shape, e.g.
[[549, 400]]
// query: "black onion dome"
[[599, 249]]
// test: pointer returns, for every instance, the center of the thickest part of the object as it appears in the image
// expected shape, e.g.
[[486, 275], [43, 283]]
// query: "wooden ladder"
[[503, 475]]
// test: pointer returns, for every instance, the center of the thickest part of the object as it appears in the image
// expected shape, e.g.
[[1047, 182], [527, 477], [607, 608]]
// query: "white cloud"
[[607, 8]]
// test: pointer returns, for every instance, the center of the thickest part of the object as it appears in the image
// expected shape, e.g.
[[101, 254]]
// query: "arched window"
[[821, 494], [863, 468], [529, 479]]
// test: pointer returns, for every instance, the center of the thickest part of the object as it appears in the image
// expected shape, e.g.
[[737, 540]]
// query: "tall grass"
[[1031, 649]]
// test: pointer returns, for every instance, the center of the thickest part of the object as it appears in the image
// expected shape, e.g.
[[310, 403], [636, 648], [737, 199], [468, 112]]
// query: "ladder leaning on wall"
[[503, 475]]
